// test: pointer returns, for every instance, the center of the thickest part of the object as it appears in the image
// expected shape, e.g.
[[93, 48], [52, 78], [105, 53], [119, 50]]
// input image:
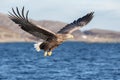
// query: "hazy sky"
[[107, 12]]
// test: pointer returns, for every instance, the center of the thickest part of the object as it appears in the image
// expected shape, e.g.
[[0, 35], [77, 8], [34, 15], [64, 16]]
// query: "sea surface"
[[70, 61]]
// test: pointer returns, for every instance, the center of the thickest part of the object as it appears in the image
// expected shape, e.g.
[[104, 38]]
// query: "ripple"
[[81, 61]]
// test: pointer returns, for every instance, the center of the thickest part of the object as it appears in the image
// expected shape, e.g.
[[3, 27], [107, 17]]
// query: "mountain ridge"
[[93, 35]]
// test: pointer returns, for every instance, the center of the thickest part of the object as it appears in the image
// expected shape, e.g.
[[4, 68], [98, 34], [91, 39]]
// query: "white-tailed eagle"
[[50, 39]]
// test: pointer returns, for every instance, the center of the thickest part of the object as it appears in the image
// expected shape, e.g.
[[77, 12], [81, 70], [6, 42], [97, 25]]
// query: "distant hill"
[[101, 35], [10, 32]]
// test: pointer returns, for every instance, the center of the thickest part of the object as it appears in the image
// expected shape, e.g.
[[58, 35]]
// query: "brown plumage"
[[51, 39]]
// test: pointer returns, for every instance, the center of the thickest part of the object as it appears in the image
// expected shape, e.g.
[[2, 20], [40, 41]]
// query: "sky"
[[106, 16]]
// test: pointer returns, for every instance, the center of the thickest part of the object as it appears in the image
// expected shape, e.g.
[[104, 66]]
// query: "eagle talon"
[[49, 53], [45, 54]]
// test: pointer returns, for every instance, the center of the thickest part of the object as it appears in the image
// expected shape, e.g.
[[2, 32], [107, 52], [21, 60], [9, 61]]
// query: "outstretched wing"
[[77, 24], [28, 26]]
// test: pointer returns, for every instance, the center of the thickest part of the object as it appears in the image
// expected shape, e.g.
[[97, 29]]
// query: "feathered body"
[[51, 39]]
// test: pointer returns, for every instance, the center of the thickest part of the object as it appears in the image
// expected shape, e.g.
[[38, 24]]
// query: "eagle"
[[51, 40]]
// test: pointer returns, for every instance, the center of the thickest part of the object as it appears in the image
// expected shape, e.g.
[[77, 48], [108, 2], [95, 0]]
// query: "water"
[[70, 61]]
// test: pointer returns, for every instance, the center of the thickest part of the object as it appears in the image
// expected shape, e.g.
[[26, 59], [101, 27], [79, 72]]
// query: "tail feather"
[[37, 46]]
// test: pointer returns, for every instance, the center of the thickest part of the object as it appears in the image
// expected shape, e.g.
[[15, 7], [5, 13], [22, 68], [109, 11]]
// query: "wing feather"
[[28, 26], [77, 24]]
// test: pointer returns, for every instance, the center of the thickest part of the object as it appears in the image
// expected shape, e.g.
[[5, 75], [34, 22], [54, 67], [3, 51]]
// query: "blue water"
[[70, 61]]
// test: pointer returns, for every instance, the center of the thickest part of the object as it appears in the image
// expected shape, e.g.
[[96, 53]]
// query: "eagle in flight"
[[51, 40]]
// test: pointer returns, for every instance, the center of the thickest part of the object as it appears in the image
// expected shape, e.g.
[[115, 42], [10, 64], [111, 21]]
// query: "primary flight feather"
[[50, 39]]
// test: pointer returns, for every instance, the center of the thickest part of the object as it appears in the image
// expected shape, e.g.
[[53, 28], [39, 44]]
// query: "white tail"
[[37, 46]]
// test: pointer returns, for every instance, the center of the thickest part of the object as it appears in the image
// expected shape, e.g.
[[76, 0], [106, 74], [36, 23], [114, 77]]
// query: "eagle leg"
[[49, 53], [45, 53]]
